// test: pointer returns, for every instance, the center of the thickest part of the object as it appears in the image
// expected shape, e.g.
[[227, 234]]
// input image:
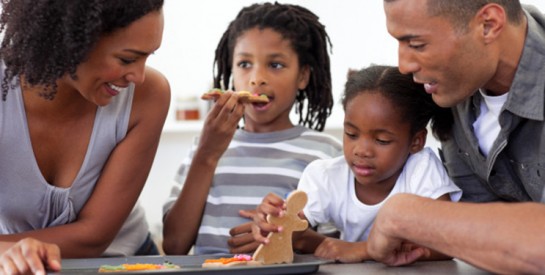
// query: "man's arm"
[[499, 237]]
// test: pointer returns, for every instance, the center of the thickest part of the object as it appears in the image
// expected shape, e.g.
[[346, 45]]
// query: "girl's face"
[[265, 63], [117, 60], [376, 143]]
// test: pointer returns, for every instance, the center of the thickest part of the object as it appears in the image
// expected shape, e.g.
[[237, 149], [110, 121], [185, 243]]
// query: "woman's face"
[[117, 59]]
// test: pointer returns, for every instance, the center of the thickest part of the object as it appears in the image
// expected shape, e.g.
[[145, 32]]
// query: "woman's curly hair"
[[46, 39], [308, 39]]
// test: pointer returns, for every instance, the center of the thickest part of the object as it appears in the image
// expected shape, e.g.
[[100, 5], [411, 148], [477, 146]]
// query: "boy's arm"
[[181, 223]]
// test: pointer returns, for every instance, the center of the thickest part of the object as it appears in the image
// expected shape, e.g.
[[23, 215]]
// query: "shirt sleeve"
[[426, 176], [313, 181]]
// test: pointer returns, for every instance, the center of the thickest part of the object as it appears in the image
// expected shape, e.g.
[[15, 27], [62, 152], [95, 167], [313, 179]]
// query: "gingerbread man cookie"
[[280, 248]]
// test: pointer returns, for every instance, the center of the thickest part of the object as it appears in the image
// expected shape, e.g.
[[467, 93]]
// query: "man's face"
[[452, 64]]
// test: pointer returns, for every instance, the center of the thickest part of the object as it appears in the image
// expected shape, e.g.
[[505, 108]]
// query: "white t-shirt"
[[487, 125], [329, 185]]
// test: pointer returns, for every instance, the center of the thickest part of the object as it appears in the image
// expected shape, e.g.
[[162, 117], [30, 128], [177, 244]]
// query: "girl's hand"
[[405, 254], [273, 205], [30, 256], [346, 252]]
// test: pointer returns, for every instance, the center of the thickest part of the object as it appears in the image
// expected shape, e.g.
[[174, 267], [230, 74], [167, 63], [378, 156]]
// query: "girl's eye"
[[350, 134], [383, 142]]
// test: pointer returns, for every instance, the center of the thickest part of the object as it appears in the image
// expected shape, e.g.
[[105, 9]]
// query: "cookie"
[[280, 247], [244, 96], [236, 260], [137, 267]]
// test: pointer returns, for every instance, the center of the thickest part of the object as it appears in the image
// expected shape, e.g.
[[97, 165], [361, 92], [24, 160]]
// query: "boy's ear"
[[418, 141], [304, 77]]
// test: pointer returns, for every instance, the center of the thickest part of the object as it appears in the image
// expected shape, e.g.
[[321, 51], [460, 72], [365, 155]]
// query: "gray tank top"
[[28, 202]]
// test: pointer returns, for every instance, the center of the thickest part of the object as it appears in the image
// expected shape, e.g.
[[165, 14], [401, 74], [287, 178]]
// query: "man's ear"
[[418, 141], [491, 19], [304, 77]]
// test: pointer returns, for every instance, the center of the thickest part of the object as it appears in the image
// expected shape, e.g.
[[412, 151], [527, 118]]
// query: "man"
[[486, 60]]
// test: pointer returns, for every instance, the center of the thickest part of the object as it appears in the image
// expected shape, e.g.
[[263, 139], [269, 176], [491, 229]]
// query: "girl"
[[275, 50], [386, 114], [80, 121]]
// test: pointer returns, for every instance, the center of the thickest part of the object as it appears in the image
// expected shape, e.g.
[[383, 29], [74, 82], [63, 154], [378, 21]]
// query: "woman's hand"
[[30, 256]]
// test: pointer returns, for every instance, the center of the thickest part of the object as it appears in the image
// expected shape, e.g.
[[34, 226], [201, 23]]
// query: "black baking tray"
[[302, 264]]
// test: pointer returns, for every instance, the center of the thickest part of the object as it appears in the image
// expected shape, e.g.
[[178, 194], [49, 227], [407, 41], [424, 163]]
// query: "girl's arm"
[[311, 241], [121, 181], [307, 241], [499, 237], [181, 223]]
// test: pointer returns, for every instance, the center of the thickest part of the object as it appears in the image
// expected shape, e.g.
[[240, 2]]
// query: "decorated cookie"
[[244, 96], [280, 248], [236, 260], [137, 267]]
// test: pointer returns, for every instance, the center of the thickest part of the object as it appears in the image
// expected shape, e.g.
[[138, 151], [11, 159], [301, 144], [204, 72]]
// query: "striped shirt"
[[253, 165]]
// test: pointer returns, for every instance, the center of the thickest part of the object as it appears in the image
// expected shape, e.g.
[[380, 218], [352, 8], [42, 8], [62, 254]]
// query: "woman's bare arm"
[[121, 181]]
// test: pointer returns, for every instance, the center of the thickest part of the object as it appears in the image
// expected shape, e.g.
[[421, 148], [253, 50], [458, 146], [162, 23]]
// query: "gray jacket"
[[515, 167]]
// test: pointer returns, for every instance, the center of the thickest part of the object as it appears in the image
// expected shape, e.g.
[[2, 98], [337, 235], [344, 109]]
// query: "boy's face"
[[376, 141], [265, 63], [452, 64]]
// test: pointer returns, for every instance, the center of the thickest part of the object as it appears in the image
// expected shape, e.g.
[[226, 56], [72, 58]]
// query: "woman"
[[80, 121]]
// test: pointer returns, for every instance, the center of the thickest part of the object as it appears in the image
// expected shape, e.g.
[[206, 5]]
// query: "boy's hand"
[[242, 240]]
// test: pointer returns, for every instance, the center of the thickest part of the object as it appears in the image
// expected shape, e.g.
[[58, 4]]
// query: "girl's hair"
[[45, 39], [411, 100], [308, 39]]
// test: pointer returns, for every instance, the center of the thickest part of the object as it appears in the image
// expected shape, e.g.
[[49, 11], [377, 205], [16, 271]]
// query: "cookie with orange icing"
[[236, 260], [244, 96], [137, 267]]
